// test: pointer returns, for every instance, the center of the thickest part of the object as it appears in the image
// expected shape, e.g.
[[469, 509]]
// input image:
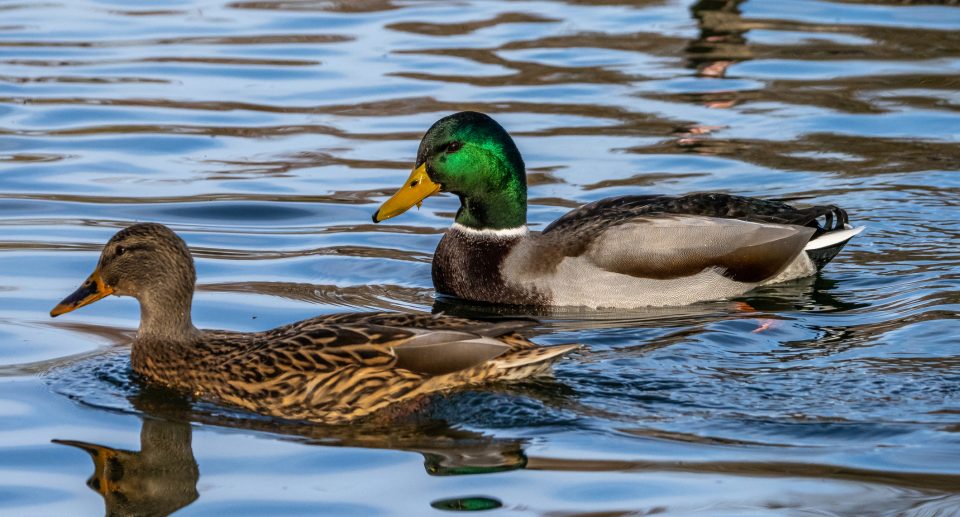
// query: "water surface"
[[267, 132]]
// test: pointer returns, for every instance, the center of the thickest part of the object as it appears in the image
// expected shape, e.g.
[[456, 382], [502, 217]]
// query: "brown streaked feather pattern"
[[330, 369]]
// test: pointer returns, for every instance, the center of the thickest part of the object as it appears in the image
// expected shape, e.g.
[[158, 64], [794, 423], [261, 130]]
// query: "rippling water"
[[266, 132]]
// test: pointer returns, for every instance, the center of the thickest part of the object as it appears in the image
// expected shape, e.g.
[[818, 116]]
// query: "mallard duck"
[[629, 251], [329, 369]]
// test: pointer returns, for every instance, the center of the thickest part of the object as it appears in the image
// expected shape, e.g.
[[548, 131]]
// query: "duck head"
[[149, 262], [471, 155]]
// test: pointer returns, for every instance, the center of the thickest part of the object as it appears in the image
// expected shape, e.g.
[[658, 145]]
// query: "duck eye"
[[120, 251], [453, 147]]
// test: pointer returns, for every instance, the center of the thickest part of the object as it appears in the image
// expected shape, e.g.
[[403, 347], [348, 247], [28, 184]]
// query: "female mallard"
[[628, 251], [328, 369]]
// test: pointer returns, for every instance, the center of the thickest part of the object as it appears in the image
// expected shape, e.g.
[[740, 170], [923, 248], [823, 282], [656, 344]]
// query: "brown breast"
[[470, 267]]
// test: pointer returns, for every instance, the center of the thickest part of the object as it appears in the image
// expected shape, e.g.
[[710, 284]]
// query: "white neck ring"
[[519, 231]]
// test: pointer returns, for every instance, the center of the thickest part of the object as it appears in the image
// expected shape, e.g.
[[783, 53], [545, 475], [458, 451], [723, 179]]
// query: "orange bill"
[[92, 290]]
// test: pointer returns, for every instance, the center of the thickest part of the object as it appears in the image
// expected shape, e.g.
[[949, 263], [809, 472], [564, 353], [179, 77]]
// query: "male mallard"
[[327, 369], [628, 251]]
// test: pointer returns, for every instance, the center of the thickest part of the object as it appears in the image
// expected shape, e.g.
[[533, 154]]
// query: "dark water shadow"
[[805, 294]]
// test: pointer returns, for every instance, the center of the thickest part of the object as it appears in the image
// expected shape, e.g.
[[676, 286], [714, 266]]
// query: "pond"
[[267, 132]]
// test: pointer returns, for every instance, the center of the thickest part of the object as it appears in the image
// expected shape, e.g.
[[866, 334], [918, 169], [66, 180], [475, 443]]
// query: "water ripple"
[[266, 133]]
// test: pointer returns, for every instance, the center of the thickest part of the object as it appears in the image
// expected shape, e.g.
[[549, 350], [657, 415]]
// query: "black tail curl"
[[834, 218]]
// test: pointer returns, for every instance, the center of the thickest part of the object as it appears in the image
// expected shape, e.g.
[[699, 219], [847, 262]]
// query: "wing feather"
[[669, 247], [617, 210]]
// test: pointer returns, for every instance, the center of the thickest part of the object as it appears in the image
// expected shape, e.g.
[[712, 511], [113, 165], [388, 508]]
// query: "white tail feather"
[[832, 238]]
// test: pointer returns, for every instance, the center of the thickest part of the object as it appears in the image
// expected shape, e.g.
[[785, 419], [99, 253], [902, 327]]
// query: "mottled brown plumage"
[[328, 369]]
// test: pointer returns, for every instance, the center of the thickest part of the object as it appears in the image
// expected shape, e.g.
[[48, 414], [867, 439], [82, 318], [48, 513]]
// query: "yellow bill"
[[418, 187], [92, 290]]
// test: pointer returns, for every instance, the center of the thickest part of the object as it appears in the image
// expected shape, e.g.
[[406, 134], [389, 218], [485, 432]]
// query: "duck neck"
[[500, 208], [165, 317]]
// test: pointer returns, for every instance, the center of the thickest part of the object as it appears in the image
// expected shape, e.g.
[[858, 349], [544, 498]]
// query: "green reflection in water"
[[467, 504]]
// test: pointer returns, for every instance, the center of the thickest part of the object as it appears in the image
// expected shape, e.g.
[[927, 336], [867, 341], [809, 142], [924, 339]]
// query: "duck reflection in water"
[[159, 479], [162, 476], [722, 40]]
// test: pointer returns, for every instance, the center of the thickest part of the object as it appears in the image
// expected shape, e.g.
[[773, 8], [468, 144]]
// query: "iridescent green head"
[[472, 156]]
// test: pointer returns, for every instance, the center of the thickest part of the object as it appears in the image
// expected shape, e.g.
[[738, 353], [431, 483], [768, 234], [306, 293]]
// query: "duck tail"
[[531, 361], [822, 248]]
